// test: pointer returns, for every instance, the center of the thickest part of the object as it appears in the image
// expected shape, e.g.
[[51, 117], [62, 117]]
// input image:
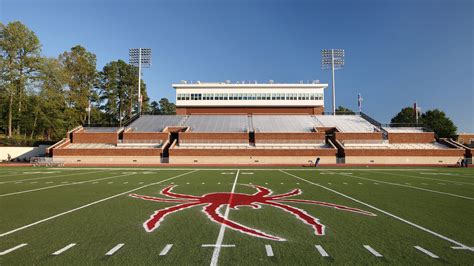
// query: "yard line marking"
[[359, 183], [458, 244], [213, 246], [321, 251], [247, 173], [328, 183], [114, 249], [427, 252], [34, 182], [220, 237], [428, 178], [90, 204], [413, 187], [269, 250], [95, 182], [50, 182], [125, 182], [64, 249], [424, 184], [218, 183], [373, 251], [140, 183], [203, 183], [166, 249], [45, 177], [345, 183], [12, 249], [61, 185]]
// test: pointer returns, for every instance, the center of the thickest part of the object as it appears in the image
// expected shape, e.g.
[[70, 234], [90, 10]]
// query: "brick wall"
[[404, 152], [107, 152], [425, 137], [95, 137], [252, 152], [213, 136], [341, 136], [131, 136], [261, 137]]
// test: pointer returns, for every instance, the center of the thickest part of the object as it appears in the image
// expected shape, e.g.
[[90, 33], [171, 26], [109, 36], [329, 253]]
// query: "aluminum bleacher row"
[[257, 123], [254, 139]]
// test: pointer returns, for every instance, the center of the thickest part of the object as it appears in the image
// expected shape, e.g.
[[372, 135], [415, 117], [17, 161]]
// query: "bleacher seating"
[[403, 129], [283, 123], [155, 123], [217, 123], [345, 123]]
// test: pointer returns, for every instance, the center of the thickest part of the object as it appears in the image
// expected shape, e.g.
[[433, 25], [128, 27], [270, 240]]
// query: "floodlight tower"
[[332, 59], [140, 57]]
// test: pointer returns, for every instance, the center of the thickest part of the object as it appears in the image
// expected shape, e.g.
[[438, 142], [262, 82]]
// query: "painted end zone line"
[[373, 251], [413, 187], [166, 249], [63, 249], [321, 251], [114, 249], [220, 237], [269, 250], [12, 249], [427, 252], [61, 185], [90, 204], [460, 245]]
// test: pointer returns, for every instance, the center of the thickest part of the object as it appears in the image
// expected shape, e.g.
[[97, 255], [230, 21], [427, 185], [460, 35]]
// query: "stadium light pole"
[[332, 59], [140, 57]]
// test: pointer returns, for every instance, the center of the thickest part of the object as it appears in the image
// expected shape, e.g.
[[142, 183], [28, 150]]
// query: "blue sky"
[[396, 51]]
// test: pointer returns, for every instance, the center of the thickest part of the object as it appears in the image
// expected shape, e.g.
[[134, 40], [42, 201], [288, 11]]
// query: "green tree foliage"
[[405, 116], [118, 91], [81, 76], [341, 110], [437, 121], [41, 98], [19, 50], [166, 107]]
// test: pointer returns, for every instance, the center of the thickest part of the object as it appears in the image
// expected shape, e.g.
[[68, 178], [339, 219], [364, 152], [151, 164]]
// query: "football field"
[[236, 216]]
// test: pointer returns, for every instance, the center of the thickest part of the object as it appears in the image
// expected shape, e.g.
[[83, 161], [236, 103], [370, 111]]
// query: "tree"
[[155, 108], [405, 116], [341, 110], [118, 91], [437, 121], [50, 118], [81, 76], [166, 107], [19, 50]]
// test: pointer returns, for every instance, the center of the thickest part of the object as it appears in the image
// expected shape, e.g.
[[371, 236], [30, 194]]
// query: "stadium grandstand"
[[219, 130]]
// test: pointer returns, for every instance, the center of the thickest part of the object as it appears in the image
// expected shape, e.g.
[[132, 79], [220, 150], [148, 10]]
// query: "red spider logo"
[[214, 201]]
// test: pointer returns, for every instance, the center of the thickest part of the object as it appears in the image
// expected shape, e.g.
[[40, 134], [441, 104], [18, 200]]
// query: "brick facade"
[[95, 137], [425, 137]]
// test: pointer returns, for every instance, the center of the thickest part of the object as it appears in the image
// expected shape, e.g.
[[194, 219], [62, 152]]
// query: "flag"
[[359, 102]]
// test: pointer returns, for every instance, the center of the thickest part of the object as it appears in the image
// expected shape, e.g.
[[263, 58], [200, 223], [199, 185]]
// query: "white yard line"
[[12, 249], [61, 185], [321, 251], [427, 178], [269, 250], [114, 249], [427, 252], [220, 237], [166, 249], [463, 246], [373, 251], [90, 204], [64, 249], [45, 177], [246, 169], [412, 187]]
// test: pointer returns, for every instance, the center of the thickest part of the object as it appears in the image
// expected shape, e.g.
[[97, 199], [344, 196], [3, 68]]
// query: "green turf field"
[[66, 216]]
